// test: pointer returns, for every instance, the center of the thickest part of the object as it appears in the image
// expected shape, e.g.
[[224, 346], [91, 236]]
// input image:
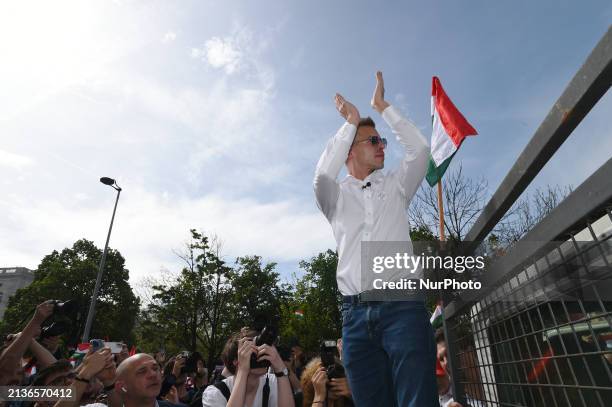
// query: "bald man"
[[139, 381]]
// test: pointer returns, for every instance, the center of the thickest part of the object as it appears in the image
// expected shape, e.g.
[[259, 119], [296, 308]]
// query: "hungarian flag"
[[436, 317], [299, 313], [449, 130]]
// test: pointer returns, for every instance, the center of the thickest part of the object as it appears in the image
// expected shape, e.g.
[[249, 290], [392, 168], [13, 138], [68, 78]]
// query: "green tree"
[[422, 234], [71, 275], [257, 292], [317, 296], [192, 311]]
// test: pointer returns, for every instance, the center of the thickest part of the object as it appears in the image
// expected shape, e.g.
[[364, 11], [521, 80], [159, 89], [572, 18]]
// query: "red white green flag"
[[450, 128]]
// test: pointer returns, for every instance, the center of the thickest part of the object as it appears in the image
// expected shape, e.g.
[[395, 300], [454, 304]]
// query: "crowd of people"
[[253, 373]]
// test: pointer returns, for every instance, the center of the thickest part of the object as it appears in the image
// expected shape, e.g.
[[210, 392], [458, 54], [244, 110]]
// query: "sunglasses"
[[374, 140]]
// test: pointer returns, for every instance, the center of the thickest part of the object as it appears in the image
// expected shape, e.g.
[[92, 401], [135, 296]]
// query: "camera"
[[266, 336], [64, 307], [54, 329], [63, 312], [334, 368]]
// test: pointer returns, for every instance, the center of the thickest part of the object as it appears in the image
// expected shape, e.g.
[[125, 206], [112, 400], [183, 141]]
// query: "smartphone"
[[115, 347], [96, 344]]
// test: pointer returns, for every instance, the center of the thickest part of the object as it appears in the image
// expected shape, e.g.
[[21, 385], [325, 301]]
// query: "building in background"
[[12, 279]]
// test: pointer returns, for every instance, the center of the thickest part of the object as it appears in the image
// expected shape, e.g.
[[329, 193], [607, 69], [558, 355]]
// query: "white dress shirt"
[[375, 213], [212, 397]]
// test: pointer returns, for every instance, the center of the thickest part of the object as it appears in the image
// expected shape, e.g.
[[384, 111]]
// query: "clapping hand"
[[347, 109], [378, 98]]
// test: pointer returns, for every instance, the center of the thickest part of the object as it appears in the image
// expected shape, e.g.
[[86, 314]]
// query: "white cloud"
[[222, 53], [169, 37], [148, 226], [173, 137], [240, 52], [15, 161]]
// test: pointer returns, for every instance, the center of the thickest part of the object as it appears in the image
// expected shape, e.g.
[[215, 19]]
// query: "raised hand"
[[245, 349], [95, 362], [108, 374], [43, 311], [179, 362], [347, 109], [319, 382], [339, 387], [269, 353], [378, 98]]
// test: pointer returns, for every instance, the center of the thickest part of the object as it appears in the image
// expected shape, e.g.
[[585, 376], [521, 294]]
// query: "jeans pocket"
[[347, 311]]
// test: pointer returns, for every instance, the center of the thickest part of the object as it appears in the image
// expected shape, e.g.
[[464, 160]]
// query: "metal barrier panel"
[[542, 336]]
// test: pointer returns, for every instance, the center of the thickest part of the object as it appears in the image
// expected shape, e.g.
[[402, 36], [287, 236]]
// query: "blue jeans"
[[389, 354]]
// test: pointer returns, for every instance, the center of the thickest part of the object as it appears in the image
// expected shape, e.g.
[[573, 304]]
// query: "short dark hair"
[[363, 122], [366, 121], [230, 350], [440, 335]]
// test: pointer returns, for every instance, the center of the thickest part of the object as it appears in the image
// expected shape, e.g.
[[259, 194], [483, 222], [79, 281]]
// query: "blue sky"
[[213, 114]]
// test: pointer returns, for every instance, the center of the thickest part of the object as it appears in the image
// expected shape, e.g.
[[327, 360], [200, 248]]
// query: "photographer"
[[96, 366], [175, 378], [320, 391], [199, 381], [250, 386]]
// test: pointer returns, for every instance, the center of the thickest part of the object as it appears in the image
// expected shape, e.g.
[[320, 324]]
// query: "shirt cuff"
[[392, 115], [347, 132]]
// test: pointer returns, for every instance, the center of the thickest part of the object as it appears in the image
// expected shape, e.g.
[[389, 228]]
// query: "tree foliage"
[[208, 300], [71, 275], [317, 297], [191, 312], [257, 293]]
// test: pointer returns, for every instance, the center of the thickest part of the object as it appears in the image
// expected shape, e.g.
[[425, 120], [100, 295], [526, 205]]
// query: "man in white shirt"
[[388, 346], [247, 386]]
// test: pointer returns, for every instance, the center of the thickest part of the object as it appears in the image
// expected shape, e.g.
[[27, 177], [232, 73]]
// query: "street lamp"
[[94, 297]]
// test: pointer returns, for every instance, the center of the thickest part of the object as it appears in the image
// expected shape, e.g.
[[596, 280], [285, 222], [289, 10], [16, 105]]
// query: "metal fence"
[[541, 335]]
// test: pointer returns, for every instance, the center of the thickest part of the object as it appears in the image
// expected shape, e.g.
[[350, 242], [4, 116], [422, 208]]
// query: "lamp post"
[[94, 297]]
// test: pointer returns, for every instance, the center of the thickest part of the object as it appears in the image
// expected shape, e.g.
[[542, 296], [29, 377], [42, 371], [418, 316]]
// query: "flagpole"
[[441, 209]]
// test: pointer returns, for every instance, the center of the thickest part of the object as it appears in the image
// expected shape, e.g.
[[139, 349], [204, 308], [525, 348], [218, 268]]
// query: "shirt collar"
[[374, 176]]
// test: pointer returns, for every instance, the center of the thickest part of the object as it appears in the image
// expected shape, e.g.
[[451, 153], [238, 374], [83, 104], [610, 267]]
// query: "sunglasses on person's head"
[[374, 140]]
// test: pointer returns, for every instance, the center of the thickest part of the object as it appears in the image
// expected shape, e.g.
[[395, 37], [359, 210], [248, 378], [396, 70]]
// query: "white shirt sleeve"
[[328, 168], [212, 397], [413, 166]]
